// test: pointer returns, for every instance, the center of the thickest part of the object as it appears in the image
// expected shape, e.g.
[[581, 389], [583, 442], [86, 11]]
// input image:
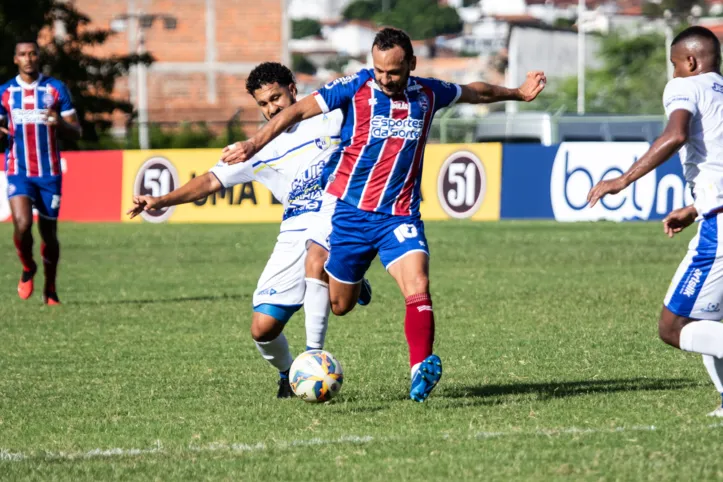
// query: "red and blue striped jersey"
[[379, 164], [32, 145]]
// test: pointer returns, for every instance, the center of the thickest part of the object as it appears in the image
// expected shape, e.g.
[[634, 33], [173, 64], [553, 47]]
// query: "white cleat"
[[718, 412]]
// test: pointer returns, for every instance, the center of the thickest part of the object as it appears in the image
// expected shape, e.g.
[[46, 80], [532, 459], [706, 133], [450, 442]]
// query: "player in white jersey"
[[290, 168], [693, 100]]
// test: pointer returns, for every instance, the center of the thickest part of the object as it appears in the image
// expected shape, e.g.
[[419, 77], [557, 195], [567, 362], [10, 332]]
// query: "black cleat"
[[284, 387]]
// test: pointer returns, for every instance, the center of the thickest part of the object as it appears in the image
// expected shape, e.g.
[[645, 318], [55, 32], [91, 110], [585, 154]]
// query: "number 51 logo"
[[461, 185], [156, 177]]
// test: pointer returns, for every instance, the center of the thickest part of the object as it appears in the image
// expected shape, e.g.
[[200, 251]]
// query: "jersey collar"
[[25, 85]]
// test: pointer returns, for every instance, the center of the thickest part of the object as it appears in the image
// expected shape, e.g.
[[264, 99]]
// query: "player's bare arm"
[[673, 138], [243, 151], [483, 93], [68, 125], [679, 219], [195, 189]]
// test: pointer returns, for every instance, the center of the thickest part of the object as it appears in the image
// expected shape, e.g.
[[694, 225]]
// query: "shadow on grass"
[[179, 299], [550, 390]]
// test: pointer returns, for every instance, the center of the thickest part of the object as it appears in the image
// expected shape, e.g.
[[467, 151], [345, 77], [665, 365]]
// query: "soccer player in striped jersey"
[[376, 174], [35, 110]]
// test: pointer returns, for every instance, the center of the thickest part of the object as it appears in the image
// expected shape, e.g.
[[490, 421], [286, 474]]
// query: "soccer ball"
[[316, 376]]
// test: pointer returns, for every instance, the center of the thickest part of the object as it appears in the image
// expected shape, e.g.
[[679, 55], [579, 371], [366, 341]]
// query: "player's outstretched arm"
[[195, 189], [243, 151], [672, 139], [483, 93]]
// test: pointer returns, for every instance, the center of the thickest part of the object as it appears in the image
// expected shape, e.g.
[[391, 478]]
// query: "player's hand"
[[4, 131], [238, 152], [532, 86], [144, 203], [603, 188], [50, 117], [678, 220]]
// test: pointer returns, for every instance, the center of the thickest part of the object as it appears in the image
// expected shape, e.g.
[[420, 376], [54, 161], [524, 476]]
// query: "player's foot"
[[284, 386], [26, 285], [426, 378], [718, 412], [365, 296], [50, 298]]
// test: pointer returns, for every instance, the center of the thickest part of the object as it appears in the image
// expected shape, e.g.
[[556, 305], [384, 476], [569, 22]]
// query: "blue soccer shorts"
[[45, 192], [357, 236]]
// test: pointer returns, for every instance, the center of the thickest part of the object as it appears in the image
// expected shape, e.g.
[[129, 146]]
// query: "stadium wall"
[[482, 182]]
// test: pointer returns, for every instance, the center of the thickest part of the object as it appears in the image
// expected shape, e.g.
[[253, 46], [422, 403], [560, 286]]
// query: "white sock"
[[316, 310], [276, 352], [704, 337], [715, 370], [415, 369]]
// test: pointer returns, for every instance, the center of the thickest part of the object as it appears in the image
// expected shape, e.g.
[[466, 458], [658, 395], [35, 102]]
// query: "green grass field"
[[553, 369]]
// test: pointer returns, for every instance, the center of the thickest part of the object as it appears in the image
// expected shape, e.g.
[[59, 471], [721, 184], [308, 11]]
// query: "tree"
[[305, 27], [679, 9], [362, 9], [299, 63], [89, 78], [631, 80]]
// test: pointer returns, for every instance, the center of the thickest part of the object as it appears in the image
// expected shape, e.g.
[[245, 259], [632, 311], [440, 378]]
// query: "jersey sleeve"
[[338, 93], [65, 102], [234, 174], [446, 93], [680, 94], [3, 100]]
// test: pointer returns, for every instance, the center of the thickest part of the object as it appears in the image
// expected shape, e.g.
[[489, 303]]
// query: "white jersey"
[[702, 155], [290, 166]]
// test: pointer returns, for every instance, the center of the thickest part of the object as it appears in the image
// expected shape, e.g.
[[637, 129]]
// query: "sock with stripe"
[[419, 327]]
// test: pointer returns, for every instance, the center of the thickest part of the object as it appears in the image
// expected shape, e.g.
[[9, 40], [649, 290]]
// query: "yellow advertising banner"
[[159, 172], [459, 181], [462, 181]]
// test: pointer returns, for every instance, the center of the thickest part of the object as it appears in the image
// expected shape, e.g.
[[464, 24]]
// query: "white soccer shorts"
[[283, 281], [697, 288]]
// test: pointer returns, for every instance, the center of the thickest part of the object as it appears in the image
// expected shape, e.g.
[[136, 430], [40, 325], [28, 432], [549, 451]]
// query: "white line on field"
[[8, 456]]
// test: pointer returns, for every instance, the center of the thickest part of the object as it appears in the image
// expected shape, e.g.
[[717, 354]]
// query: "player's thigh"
[[351, 246], [21, 194], [283, 281], [696, 291], [49, 193], [404, 252]]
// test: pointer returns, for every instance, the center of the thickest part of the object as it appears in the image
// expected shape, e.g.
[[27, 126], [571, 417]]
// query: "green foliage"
[[188, 135], [680, 9], [337, 64], [631, 80], [362, 10], [305, 27], [421, 19], [89, 78], [299, 63]]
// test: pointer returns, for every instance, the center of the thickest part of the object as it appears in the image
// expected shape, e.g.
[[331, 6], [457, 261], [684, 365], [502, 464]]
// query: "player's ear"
[[293, 90], [413, 63], [692, 63]]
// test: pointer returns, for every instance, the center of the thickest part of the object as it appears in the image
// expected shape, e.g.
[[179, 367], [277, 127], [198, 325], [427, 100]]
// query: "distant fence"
[[460, 181]]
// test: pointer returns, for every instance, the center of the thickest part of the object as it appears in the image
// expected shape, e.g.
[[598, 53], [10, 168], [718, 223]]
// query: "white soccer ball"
[[316, 376]]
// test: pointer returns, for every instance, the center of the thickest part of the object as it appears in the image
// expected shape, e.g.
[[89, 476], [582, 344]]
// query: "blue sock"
[[721, 396], [308, 348], [284, 374]]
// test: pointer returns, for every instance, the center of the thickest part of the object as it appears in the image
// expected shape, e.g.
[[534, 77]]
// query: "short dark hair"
[[27, 40], [701, 33], [388, 38], [268, 73]]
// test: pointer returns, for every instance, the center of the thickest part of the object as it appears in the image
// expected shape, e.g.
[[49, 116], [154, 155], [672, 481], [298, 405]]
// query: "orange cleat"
[[26, 285], [50, 298]]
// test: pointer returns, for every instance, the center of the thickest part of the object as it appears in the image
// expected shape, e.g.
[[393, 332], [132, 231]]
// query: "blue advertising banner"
[[541, 182]]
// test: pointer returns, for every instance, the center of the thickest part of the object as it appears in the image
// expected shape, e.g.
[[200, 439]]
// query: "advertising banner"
[[553, 183], [462, 181], [159, 172], [91, 189]]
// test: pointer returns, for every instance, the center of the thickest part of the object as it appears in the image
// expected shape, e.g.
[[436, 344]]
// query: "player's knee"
[[23, 225], [263, 330], [669, 331], [418, 284], [341, 306], [315, 266]]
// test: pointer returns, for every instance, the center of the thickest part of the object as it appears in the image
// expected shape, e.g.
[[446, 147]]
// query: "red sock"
[[419, 327], [51, 256], [24, 248]]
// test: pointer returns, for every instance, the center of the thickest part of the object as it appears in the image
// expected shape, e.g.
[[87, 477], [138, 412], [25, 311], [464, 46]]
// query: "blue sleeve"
[[3, 110], [338, 93], [445, 93], [65, 103]]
